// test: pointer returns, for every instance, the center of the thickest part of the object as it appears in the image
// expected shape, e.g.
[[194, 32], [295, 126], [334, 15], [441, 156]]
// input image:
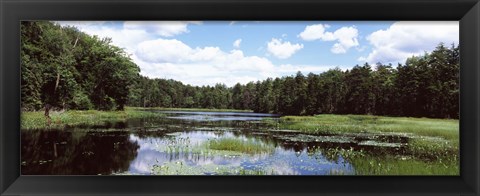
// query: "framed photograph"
[[240, 97]]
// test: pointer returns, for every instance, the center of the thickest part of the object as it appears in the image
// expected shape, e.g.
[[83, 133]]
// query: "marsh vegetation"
[[108, 119], [224, 143]]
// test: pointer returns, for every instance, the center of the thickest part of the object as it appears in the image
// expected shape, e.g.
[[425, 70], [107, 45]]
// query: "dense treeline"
[[425, 86], [66, 68]]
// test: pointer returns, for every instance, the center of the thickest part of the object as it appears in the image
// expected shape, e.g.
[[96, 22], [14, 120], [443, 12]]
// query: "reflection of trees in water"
[[76, 152], [255, 129]]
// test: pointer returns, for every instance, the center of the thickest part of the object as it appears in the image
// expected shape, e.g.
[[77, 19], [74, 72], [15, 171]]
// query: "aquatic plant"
[[249, 146], [365, 163], [329, 123], [394, 165], [181, 168]]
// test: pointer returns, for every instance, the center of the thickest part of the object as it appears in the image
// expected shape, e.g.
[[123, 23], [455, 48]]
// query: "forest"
[[69, 69]]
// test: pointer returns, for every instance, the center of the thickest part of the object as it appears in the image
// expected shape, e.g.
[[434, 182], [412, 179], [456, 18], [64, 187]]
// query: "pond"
[[193, 143]]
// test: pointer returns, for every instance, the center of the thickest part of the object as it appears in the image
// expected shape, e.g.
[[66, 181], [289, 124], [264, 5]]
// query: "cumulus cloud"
[[175, 59], [345, 37], [129, 34], [237, 43], [122, 37], [315, 32], [162, 28], [173, 51], [405, 39], [208, 65], [281, 49], [166, 57]]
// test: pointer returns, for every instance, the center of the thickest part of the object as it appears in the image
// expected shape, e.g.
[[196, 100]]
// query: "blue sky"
[[210, 52]]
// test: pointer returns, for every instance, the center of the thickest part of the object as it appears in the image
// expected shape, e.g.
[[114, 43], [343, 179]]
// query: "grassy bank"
[[389, 165], [433, 147], [373, 164], [37, 120], [192, 109], [329, 123]]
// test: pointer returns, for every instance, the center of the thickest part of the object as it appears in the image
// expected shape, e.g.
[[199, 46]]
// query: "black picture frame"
[[465, 11]]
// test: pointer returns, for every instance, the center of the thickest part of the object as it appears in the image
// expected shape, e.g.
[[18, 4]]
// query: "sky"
[[229, 52]]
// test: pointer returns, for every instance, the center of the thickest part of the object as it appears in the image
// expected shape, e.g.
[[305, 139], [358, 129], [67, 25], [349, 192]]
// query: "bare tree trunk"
[[58, 71], [58, 81], [76, 40]]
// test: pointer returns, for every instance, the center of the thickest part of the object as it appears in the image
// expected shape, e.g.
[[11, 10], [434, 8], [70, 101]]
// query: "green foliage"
[[68, 69], [390, 165], [329, 123], [434, 149], [81, 101], [365, 163], [36, 120], [426, 86], [245, 146]]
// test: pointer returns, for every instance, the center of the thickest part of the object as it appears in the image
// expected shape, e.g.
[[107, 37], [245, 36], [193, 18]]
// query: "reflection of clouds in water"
[[281, 168], [198, 137], [289, 162], [143, 163], [145, 144], [194, 138], [145, 160], [155, 151], [151, 153]]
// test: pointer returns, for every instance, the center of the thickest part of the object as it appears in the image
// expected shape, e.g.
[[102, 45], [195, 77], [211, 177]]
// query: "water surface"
[[178, 145]]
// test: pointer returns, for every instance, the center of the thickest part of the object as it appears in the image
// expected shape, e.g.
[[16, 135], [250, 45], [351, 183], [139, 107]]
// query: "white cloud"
[[162, 28], [404, 39], [173, 51], [313, 32], [362, 59], [173, 59], [237, 43], [345, 37], [361, 49], [122, 37], [130, 33], [282, 50], [209, 65], [199, 66]]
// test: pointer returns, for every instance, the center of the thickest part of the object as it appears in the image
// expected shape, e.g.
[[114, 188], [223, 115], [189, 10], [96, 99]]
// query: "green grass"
[[433, 147], [193, 109], [36, 120], [181, 168], [424, 131], [372, 164], [239, 145], [327, 123], [389, 165]]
